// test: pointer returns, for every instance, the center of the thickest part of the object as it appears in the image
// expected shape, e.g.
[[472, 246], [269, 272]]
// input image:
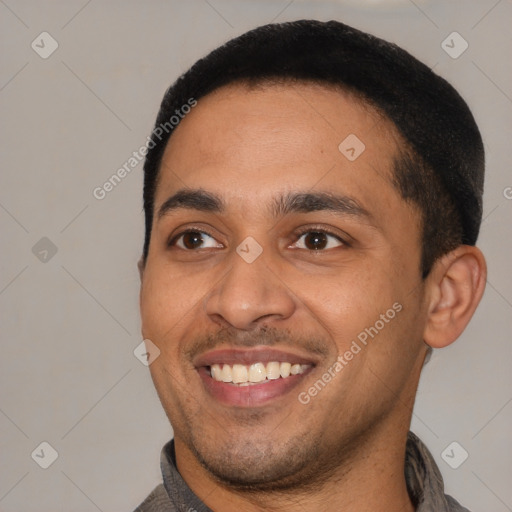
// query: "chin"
[[260, 466]]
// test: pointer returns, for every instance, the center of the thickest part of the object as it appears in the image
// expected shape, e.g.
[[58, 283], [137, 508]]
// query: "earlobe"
[[457, 283]]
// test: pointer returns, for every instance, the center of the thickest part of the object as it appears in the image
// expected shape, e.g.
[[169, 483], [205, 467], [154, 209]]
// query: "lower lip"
[[253, 395]]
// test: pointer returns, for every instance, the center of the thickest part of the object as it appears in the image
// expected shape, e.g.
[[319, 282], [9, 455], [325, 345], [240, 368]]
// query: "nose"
[[249, 294]]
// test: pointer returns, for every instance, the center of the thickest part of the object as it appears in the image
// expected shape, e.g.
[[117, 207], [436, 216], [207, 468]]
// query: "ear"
[[140, 266], [456, 283]]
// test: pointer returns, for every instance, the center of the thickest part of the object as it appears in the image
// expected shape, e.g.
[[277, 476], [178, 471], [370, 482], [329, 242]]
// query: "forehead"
[[279, 137]]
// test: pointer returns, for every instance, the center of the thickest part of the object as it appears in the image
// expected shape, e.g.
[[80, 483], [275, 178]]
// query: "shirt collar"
[[424, 481]]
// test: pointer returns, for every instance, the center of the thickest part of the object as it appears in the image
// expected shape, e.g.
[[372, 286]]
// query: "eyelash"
[[318, 229], [176, 237], [297, 235]]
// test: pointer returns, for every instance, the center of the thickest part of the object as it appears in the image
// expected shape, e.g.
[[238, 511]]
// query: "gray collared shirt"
[[424, 483]]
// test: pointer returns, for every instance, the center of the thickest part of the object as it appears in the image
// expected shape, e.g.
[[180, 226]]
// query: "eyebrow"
[[297, 202], [192, 199], [305, 202]]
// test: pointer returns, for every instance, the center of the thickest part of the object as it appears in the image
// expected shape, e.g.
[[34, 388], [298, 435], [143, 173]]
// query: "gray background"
[[69, 323]]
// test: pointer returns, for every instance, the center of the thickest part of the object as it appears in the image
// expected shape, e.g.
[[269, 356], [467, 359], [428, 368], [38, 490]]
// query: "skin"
[[344, 450]]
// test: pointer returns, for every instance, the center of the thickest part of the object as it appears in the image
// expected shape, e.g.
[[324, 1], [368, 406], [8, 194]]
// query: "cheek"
[[169, 303], [164, 300], [350, 300]]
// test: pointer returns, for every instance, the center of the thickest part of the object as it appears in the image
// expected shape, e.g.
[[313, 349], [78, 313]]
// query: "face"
[[282, 284]]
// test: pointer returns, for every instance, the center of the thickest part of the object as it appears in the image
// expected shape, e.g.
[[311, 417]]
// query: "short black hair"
[[440, 165]]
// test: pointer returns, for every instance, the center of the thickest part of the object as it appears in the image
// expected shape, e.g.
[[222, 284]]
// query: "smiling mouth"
[[256, 373], [255, 377]]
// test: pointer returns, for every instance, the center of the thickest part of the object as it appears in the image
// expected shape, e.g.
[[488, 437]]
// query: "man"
[[313, 196]]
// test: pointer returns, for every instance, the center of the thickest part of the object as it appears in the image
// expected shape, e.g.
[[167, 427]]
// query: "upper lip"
[[249, 356]]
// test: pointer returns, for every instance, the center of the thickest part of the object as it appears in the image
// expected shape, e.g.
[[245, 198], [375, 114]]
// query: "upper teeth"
[[257, 372]]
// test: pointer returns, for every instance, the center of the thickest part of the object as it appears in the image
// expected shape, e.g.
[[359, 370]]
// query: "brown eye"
[[318, 240], [315, 240], [192, 240]]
